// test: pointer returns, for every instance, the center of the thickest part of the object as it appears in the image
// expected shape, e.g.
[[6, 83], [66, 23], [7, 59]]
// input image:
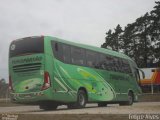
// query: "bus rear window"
[[29, 45]]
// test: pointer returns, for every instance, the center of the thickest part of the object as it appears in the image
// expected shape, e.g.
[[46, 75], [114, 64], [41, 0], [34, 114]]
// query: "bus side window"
[[66, 56], [108, 63], [102, 62], [57, 50], [91, 59], [126, 67], [77, 56], [120, 63], [116, 65], [54, 50], [112, 64], [56, 47]]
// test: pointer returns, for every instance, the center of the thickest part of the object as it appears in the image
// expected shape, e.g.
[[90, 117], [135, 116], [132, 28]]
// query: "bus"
[[49, 72]]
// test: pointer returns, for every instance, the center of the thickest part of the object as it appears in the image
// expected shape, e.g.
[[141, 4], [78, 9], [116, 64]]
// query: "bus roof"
[[89, 47]]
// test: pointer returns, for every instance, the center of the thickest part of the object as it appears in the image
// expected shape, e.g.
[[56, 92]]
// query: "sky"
[[81, 21]]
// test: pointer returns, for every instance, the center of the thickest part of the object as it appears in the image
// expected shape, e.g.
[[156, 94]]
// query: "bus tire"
[[48, 107], [130, 100], [81, 99], [102, 104]]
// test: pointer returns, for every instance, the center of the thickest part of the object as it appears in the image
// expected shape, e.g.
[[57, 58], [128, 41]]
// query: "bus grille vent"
[[27, 67]]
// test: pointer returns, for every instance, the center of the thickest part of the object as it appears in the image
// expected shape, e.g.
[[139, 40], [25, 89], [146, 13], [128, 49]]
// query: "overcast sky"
[[82, 21]]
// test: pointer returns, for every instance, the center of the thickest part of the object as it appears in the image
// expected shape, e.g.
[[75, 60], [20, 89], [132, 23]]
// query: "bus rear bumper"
[[31, 97]]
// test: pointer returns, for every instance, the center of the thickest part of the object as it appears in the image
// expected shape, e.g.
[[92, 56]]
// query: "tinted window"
[[91, 58], [110, 63], [57, 50], [120, 63], [29, 45], [77, 56], [126, 67], [102, 62], [116, 66], [106, 62], [66, 53]]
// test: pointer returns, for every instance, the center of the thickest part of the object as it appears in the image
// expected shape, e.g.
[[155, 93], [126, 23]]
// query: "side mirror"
[[143, 75]]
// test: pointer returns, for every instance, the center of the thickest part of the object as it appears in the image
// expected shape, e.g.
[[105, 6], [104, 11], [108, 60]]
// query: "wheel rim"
[[81, 99]]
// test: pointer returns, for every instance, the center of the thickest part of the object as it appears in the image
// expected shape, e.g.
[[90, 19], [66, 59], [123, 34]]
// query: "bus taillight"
[[47, 82], [10, 84]]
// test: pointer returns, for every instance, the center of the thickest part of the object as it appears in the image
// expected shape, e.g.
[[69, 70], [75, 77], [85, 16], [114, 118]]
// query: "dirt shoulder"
[[91, 112], [72, 117], [150, 97]]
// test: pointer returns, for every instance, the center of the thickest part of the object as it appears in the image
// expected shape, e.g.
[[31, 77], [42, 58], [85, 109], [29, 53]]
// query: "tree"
[[108, 40], [140, 40], [3, 88], [117, 38], [155, 31], [113, 40], [128, 41]]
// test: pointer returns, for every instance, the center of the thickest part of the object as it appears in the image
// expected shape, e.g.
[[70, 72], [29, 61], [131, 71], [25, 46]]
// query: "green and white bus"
[[49, 72]]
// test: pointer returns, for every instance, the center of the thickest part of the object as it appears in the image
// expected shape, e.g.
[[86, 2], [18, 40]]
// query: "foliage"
[[140, 40], [3, 88]]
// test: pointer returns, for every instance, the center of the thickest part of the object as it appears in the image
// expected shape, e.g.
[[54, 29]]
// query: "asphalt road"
[[136, 108]]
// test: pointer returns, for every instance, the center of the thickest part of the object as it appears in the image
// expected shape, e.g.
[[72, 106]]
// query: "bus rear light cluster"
[[47, 82], [10, 84]]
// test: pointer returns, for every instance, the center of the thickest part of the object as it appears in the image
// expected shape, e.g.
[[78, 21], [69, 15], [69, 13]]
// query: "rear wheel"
[[81, 100], [102, 104], [130, 98], [48, 107]]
